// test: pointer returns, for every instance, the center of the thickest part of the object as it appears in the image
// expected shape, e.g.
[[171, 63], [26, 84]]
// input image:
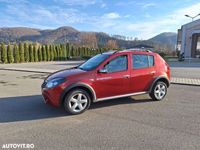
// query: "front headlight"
[[54, 82]]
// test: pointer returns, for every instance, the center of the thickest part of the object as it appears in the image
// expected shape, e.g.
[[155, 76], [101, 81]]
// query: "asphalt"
[[128, 123]]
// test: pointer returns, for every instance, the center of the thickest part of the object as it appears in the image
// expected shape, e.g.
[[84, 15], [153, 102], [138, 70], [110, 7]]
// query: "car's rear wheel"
[[158, 91], [77, 101]]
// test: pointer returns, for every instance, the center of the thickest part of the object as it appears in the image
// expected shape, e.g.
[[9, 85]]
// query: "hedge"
[[29, 52]]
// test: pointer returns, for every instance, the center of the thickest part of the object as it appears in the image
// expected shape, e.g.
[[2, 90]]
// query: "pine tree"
[[72, 51], [26, 52], [10, 54], [31, 54], [64, 52], [67, 50], [3, 53], [84, 51], [61, 52], [16, 54], [52, 52], [35, 51], [48, 52], [79, 52], [40, 54], [21, 52], [55, 53], [44, 53], [58, 52]]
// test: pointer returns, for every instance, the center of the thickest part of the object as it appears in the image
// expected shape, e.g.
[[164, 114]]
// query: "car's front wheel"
[[158, 91], [77, 101]]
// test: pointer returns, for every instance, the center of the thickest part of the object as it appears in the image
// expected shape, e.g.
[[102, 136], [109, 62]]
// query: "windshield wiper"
[[81, 68]]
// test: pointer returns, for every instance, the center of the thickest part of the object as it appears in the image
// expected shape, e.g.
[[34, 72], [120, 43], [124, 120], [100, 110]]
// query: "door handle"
[[152, 72], [126, 76]]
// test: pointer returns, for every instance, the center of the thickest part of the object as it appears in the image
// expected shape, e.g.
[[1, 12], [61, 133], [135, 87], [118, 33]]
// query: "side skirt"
[[119, 96]]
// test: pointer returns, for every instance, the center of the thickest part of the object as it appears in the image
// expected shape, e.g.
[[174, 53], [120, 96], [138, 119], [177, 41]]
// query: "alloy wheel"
[[78, 102], [160, 91]]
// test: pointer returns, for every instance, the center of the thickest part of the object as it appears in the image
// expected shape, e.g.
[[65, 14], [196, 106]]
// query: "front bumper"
[[51, 96]]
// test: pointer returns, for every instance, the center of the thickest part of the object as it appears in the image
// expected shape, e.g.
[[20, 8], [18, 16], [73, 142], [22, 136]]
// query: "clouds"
[[35, 15], [147, 5], [77, 2], [130, 18], [111, 15], [165, 23]]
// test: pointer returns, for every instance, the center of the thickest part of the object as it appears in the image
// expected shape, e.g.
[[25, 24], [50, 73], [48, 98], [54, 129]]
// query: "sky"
[[134, 18]]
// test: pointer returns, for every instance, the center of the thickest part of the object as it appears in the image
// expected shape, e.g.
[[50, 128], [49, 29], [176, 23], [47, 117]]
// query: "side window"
[[151, 60], [140, 61], [119, 63]]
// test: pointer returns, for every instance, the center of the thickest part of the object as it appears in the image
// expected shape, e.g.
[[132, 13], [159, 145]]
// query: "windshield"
[[93, 62]]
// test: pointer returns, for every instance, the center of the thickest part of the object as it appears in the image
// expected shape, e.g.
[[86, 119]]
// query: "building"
[[188, 40]]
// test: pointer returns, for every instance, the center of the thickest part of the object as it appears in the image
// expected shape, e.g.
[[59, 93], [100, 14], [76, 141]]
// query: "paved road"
[[136, 123], [185, 70]]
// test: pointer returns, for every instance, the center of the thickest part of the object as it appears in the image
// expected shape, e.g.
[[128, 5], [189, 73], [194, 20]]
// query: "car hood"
[[65, 73]]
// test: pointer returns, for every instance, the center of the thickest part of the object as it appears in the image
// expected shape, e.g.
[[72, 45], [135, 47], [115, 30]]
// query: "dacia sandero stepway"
[[107, 76]]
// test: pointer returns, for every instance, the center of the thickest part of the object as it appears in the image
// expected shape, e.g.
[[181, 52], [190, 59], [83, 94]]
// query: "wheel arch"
[[160, 78], [79, 85]]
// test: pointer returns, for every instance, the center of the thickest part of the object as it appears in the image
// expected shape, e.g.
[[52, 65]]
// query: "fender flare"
[[159, 78], [79, 84]]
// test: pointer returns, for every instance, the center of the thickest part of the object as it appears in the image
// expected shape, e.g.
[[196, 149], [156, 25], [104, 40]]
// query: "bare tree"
[[88, 39], [112, 44]]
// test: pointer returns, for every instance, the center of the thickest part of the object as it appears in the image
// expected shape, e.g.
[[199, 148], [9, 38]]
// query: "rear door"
[[117, 79], [142, 72]]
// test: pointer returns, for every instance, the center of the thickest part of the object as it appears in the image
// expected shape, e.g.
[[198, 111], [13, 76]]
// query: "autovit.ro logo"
[[17, 146]]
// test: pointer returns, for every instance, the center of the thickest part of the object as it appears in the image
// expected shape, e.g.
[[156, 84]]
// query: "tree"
[[58, 49], [3, 53], [112, 44], [48, 53], [67, 50], [21, 52], [40, 54], [44, 53], [10, 54], [35, 51], [55, 53], [61, 52], [26, 52], [72, 51], [89, 40], [31, 54], [16, 54], [51, 53]]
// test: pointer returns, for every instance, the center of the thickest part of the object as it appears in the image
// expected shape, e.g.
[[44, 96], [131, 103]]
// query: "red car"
[[107, 76]]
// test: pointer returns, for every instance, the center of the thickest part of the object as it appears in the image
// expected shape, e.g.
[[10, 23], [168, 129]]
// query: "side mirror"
[[103, 70]]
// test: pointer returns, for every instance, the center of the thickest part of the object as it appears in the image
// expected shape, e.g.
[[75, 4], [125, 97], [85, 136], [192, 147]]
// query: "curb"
[[184, 84]]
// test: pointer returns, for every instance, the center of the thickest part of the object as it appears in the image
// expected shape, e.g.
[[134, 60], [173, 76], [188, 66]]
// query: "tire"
[[77, 101], [158, 91]]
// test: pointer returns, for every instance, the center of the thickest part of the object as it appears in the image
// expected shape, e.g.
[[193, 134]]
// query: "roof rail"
[[139, 49]]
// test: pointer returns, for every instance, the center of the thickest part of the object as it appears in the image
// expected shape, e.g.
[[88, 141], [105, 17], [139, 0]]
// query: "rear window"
[[142, 61]]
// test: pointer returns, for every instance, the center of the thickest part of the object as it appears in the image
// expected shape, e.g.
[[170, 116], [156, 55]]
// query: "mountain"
[[165, 39], [15, 34], [68, 34]]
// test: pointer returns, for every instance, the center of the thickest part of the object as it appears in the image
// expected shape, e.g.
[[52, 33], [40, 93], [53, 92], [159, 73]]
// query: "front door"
[[115, 80]]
